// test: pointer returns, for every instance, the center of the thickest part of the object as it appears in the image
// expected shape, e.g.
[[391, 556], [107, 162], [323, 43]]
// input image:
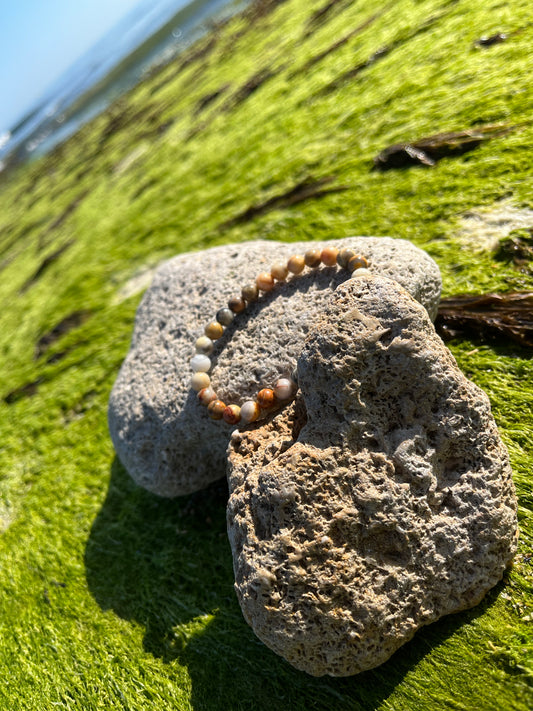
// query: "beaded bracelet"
[[284, 389]]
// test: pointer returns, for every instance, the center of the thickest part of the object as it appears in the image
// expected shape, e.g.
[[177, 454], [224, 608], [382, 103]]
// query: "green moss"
[[113, 598]]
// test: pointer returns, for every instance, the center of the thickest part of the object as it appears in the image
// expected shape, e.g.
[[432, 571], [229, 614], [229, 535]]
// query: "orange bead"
[[266, 398], [357, 262], [214, 330], [232, 414], [296, 264], [265, 281], [216, 409], [329, 256]]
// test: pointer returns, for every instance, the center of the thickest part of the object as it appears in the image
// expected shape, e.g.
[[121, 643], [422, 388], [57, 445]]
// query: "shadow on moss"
[[166, 564]]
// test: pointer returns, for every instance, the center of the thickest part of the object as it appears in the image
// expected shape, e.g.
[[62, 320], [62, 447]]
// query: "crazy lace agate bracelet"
[[283, 389]]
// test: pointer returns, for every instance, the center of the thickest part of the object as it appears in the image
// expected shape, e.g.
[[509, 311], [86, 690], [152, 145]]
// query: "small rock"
[[161, 433], [380, 500]]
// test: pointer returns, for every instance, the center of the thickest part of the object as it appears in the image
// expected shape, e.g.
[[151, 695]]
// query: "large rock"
[[161, 433], [377, 502]]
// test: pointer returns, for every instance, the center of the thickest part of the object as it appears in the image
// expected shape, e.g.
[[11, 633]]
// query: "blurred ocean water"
[[150, 35]]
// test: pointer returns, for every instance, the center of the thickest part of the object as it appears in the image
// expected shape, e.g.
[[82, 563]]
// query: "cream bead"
[[207, 395], [204, 345], [200, 363], [360, 272], [199, 381], [279, 271], [284, 388], [250, 411]]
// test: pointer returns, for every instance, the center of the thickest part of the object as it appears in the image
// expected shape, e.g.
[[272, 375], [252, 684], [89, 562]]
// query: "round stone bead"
[[357, 262], [225, 316], [279, 271], [265, 281], [236, 304], [200, 363], [250, 411], [344, 257], [204, 345], [296, 264], [360, 272], [250, 292], [207, 395], [199, 381], [312, 258], [216, 409], [328, 256], [284, 388], [232, 414], [266, 398], [214, 330]]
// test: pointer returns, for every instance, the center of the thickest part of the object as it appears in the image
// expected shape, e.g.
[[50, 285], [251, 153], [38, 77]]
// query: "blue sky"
[[40, 39]]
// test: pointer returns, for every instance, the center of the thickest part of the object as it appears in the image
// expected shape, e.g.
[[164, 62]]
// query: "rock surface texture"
[[161, 433], [380, 500]]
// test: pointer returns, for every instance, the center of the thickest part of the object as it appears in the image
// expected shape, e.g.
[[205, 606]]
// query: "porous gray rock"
[[161, 433], [380, 500]]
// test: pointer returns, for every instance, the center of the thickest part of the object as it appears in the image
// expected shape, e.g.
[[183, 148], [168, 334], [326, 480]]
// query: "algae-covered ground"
[[112, 598]]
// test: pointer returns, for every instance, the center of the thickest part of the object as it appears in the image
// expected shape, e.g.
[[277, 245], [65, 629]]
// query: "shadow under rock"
[[166, 564]]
